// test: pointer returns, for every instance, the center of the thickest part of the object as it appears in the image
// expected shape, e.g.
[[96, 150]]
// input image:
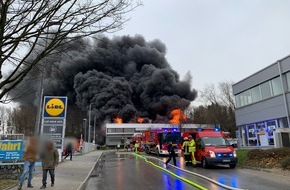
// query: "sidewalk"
[[69, 175]]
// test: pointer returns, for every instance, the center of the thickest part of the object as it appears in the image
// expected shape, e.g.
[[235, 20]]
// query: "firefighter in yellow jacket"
[[192, 149], [185, 149]]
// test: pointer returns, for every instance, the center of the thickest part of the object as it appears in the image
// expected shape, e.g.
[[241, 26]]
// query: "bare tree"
[[23, 119], [222, 94], [218, 107], [226, 94], [3, 113], [26, 24]]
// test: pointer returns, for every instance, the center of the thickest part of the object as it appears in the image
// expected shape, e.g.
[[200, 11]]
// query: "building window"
[[288, 80], [256, 94], [276, 86], [251, 131], [283, 123], [238, 102], [119, 130], [271, 127], [129, 130], [247, 97], [266, 90], [110, 130], [260, 127]]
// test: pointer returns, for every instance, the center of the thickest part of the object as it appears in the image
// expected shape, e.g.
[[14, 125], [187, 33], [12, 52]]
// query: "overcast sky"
[[216, 40]]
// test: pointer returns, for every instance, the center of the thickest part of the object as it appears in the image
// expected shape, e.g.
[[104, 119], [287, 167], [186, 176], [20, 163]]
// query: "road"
[[126, 172]]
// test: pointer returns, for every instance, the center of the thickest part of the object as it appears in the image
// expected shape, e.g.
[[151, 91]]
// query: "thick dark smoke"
[[124, 76]]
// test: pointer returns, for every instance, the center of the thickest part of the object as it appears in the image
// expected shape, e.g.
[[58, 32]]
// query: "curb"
[[262, 169], [84, 183]]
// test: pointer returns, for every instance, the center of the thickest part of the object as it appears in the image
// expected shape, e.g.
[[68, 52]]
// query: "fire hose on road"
[[186, 171], [173, 174]]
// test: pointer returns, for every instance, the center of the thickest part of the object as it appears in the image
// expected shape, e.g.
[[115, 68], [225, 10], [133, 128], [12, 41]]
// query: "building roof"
[[262, 70]]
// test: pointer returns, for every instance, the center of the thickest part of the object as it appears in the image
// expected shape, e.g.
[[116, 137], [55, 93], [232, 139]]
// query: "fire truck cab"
[[157, 141], [212, 148]]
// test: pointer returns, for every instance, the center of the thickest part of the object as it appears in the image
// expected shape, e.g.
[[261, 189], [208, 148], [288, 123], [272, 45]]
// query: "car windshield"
[[214, 141], [174, 137]]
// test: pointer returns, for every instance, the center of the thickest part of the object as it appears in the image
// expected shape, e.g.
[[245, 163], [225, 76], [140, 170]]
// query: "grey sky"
[[216, 40]]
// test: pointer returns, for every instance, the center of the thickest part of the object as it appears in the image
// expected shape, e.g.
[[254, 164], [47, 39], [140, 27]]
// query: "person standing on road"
[[185, 149], [29, 156], [69, 151], [50, 159], [192, 149], [171, 154]]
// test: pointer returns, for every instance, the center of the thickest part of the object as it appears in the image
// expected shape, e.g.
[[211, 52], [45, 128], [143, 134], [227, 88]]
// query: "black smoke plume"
[[123, 76]]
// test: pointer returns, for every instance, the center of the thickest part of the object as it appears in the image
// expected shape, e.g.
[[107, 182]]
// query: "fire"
[[140, 120], [118, 120], [178, 116]]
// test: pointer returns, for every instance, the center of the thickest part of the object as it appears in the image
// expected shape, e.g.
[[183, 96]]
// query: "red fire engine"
[[212, 148], [157, 140]]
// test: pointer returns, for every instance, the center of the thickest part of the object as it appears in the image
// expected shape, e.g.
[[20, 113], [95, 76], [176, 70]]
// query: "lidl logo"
[[54, 107]]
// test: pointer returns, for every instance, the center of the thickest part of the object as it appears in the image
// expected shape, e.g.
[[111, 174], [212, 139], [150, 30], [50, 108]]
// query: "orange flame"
[[140, 120], [178, 116], [118, 120]]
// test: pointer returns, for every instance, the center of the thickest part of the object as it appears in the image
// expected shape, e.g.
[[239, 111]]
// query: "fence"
[[11, 149]]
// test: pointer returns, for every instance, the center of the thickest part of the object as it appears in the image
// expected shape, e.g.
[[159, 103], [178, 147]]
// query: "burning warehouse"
[[121, 133]]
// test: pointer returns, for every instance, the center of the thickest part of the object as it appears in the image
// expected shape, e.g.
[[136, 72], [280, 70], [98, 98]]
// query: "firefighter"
[[185, 149], [171, 154], [192, 149], [136, 147]]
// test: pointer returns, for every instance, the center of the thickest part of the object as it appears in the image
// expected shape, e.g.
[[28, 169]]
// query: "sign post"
[[54, 120]]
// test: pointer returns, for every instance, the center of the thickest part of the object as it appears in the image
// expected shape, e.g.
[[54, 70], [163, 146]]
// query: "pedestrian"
[[69, 151], [171, 154], [185, 149], [50, 159], [29, 156], [192, 149]]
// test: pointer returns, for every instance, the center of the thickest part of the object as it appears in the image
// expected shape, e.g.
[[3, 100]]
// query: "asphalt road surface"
[[126, 172]]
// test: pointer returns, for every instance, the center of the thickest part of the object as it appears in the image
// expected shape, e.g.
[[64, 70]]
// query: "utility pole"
[[95, 118], [84, 125], [89, 135]]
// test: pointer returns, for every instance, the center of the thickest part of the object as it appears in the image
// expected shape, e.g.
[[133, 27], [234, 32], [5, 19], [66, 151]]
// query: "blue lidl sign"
[[11, 149]]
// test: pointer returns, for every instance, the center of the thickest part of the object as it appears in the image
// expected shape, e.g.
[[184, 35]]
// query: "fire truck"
[[212, 148], [156, 141]]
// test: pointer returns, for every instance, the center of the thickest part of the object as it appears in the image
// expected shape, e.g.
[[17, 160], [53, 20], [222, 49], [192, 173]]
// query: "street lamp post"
[[90, 116], [85, 130], [89, 135], [39, 109], [95, 118]]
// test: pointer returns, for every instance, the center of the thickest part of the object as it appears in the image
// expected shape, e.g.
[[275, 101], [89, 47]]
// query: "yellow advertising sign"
[[54, 107]]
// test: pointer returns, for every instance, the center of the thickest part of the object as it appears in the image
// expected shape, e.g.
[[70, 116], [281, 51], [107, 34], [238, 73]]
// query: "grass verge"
[[242, 156]]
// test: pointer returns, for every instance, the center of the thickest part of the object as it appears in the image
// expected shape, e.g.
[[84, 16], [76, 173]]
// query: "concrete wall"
[[88, 147]]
